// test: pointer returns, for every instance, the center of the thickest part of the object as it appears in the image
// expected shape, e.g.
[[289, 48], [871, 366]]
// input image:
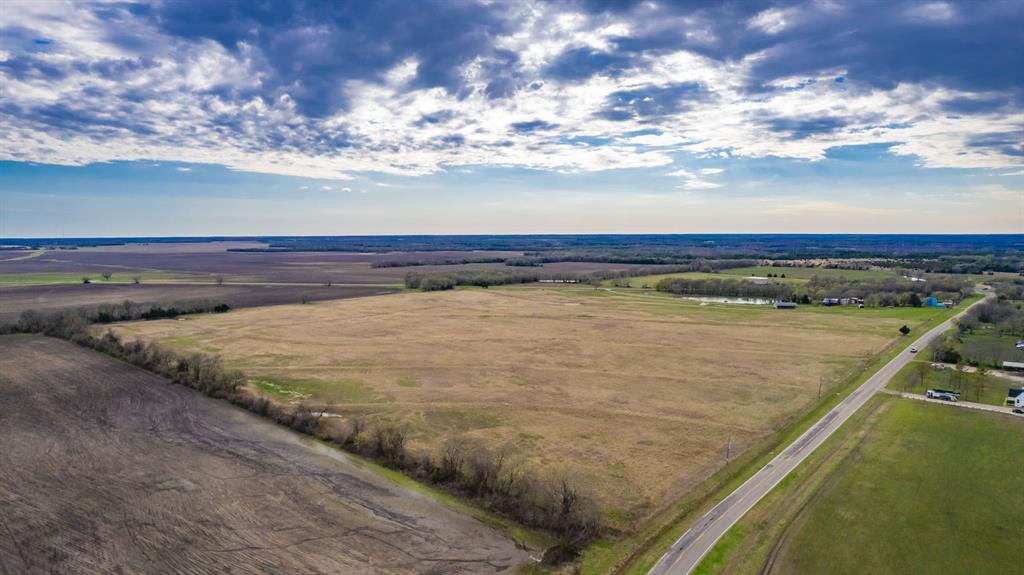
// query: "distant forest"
[[930, 253]]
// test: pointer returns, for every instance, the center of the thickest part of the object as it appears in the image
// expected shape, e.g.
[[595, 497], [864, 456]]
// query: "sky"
[[393, 117]]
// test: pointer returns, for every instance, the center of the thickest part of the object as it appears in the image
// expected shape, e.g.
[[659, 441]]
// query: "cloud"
[[181, 169], [694, 180], [329, 91]]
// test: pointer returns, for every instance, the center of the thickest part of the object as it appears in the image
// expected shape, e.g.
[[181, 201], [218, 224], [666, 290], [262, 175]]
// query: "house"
[[830, 301], [759, 280], [932, 301], [785, 305], [850, 301], [1015, 397]]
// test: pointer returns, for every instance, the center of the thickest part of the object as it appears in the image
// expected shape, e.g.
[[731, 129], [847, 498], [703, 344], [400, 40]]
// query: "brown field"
[[47, 298], [207, 260], [105, 468], [635, 395]]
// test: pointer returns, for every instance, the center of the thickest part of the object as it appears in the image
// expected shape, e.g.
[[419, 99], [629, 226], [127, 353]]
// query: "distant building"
[[759, 280], [932, 301], [1013, 365], [1015, 397], [830, 301], [559, 281], [785, 305]]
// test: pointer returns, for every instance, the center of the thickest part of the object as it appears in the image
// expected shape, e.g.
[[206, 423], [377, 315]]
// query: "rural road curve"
[[685, 554]]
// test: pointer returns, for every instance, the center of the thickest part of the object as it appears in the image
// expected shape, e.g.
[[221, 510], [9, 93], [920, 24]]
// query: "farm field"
[[204, 261], [928, 490], [52, 278], [794, 276], [110, 469], [793, 273], [48, 298], [639, 393]]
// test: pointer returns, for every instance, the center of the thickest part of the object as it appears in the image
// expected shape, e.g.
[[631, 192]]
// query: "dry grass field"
[[105, 468], [637, 395]]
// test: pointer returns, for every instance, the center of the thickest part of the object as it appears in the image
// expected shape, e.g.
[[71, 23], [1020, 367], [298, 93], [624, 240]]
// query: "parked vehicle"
[[1019, 411], [942, 394], [913, 350]]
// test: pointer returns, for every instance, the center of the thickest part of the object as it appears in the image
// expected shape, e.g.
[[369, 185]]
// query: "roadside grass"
[[749, 544], [932, 490], [637, 553], [988, 389], [56, 278]]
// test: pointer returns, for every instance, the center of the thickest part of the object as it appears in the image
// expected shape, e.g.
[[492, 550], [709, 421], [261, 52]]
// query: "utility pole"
[[728, 450]]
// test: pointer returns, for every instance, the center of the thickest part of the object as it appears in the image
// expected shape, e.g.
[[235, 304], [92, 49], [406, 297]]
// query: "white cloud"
[[182, 169], [773, 20], [383, 128], [932, 12], [694, 181]]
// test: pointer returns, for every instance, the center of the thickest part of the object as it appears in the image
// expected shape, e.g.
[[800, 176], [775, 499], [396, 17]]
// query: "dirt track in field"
[[105, 468]]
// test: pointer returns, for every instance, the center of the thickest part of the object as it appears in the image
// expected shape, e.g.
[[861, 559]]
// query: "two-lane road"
[[690, 548]]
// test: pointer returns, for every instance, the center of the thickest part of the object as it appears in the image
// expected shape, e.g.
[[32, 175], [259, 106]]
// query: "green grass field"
[[54, 278], [804, 274], [929, 490], [977, 388], [990, 349], [794, 276]]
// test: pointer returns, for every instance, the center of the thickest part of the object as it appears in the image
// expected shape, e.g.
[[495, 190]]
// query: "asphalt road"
[[685, 554]]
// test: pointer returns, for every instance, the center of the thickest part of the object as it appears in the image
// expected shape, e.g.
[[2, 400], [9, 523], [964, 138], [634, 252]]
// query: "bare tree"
[[106, 275], [136, 280], [922, 369], [219, 280]]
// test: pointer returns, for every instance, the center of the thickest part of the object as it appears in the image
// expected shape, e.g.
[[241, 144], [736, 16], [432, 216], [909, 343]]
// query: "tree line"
[[726, 288]]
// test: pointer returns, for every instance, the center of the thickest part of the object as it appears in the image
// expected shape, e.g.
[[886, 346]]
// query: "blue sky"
[[237, 118]]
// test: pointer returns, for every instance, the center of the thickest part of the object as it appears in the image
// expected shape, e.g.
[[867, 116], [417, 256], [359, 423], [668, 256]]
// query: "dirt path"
[[105, 468]]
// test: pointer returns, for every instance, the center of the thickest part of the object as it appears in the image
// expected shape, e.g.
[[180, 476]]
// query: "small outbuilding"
[[1013, 365], [1015, 397]]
